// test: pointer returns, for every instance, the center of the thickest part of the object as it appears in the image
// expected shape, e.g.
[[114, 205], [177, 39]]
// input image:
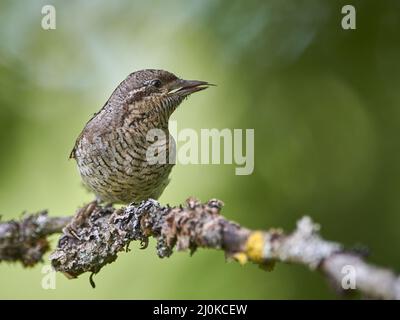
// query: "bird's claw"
[[70, 232], [79, 219]]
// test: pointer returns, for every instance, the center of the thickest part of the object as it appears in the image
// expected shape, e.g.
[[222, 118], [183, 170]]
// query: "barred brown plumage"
[[111, 150]]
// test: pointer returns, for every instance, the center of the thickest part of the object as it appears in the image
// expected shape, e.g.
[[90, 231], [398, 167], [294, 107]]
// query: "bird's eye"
[[156, 83]]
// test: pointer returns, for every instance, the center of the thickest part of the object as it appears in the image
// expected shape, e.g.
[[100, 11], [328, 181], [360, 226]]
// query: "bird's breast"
[[126, 164]]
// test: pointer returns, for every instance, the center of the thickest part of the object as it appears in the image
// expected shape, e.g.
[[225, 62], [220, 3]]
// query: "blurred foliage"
[[324, 104]]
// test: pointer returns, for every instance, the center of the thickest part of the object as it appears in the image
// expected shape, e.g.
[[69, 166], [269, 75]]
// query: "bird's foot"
[[80, 218]]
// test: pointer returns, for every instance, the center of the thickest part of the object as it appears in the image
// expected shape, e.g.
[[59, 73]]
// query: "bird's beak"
[[185, 88]]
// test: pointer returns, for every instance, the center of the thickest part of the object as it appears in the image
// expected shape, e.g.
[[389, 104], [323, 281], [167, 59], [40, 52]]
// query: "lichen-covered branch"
[[98, 238], [26, 240]]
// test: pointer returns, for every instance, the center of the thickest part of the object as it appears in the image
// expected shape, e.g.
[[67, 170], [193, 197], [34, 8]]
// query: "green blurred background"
[[324, 103]]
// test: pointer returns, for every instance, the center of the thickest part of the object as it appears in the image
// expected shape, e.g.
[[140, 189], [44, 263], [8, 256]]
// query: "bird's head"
[[150, 91]]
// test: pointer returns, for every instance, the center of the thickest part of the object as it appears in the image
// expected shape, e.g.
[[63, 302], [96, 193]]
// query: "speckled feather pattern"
[[111, 150]]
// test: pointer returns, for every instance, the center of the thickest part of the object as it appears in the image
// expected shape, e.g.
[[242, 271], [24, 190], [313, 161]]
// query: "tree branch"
[[107, 231], [26, 241]]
